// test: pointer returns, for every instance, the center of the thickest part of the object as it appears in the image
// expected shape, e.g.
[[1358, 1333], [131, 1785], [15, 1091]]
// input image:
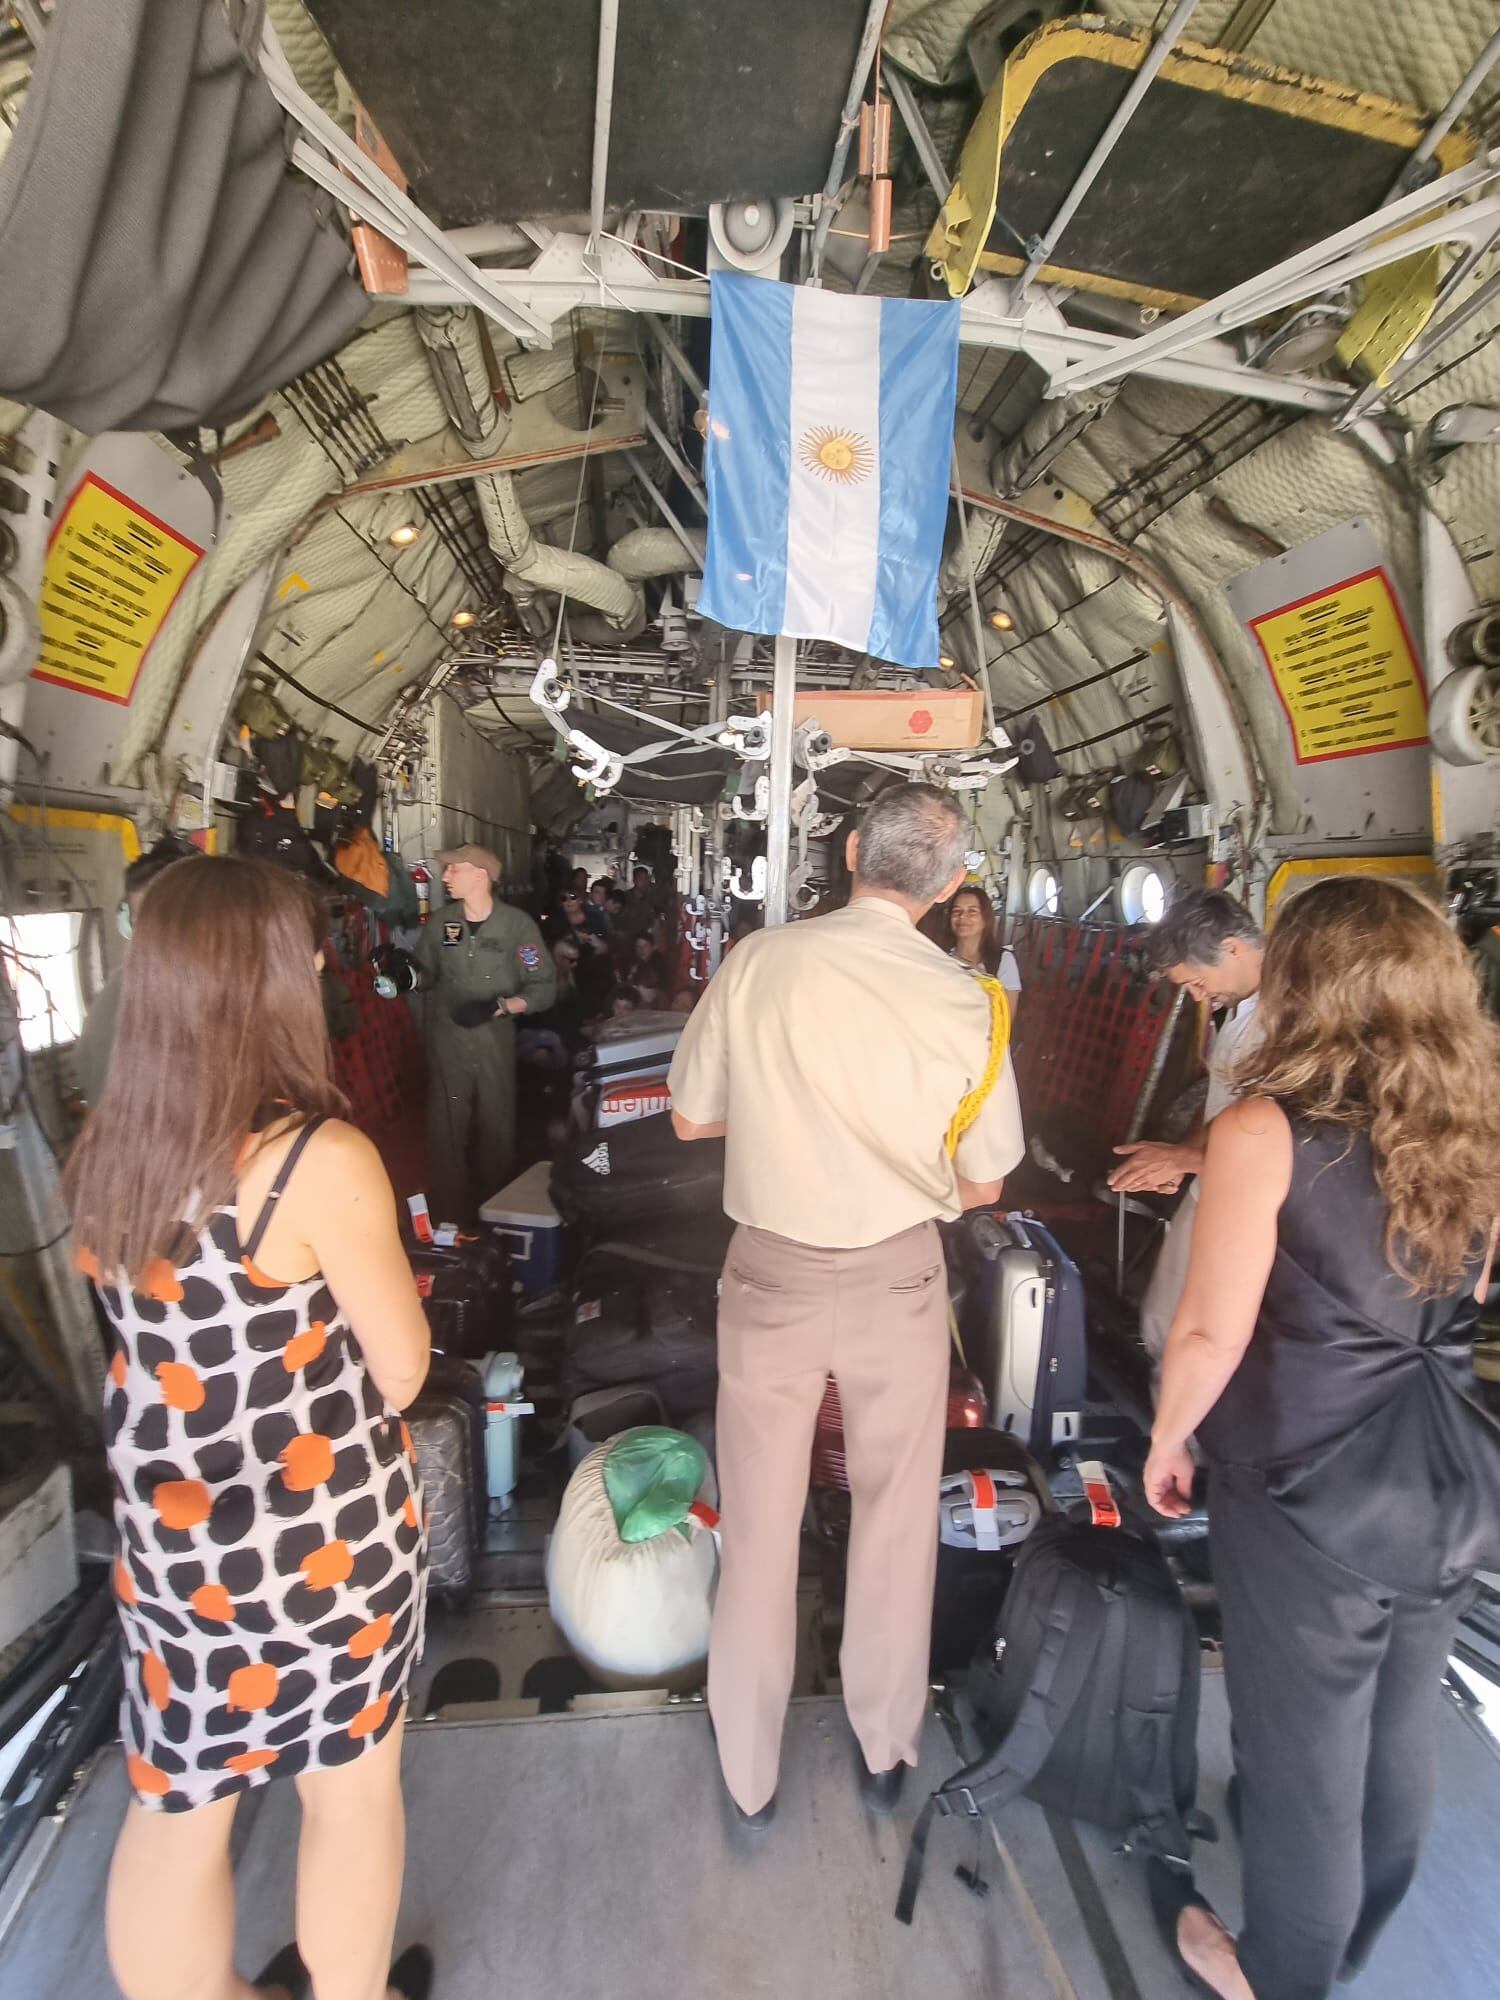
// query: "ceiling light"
[[404, 536], [462, 618], [946, 660], [1002, 621]]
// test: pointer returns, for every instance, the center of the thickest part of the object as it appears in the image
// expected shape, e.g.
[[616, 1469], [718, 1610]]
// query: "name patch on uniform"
[[529, 956], [453, 933]]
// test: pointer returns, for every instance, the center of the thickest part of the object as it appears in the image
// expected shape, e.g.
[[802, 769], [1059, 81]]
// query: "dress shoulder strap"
[[279, 1185]]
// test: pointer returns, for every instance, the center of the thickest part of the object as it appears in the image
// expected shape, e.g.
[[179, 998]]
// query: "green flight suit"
[[471, 1072]]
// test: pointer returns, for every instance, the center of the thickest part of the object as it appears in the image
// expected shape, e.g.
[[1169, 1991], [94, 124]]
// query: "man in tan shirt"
[[833, 1056]]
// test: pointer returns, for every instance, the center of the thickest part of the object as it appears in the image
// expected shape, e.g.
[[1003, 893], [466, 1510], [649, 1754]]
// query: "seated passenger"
[[974, 940], [550, 1041], [267, 1332], [647, 972], [1322, 1354]]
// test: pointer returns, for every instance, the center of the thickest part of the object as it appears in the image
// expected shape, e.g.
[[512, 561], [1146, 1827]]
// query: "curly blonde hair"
[[1370, 1018]]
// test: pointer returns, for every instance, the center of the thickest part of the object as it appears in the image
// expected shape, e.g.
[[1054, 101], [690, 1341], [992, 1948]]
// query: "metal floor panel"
[[595, 1854]]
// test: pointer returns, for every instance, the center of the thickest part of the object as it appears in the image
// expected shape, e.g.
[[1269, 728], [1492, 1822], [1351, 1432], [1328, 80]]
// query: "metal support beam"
[[940, 180], [689, 541], [864, 60], [981, 651], [1446, 119], [677, 462], [604, 98], [1040, 250], [779, 815], [561, 280], [377, 199], [676, 356], [1366, 245]]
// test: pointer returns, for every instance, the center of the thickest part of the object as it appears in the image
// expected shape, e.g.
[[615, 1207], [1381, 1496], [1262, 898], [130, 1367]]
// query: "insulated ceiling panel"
[[489, 104]]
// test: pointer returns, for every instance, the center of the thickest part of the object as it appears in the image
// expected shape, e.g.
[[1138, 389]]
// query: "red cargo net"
[[1090, 1023], [379, 1066]]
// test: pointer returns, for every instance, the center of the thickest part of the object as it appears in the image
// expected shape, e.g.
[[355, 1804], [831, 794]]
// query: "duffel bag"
[[636, 1173], [648, 1326]]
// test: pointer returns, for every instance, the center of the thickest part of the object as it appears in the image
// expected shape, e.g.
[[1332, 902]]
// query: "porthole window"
[[1143, 894], [1043, 895]]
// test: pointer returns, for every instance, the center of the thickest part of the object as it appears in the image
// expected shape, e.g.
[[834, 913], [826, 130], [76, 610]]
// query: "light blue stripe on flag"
[[749, 453], [918, 389]]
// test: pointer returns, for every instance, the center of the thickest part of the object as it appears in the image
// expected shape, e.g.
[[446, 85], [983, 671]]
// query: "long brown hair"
[[1370, 1018], [221, 1030], [989, 940]]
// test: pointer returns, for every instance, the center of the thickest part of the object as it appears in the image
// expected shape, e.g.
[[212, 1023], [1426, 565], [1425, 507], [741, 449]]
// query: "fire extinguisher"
[[421, 876]]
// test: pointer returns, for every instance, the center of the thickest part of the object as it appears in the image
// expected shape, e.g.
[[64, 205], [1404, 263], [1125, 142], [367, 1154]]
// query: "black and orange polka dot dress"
[[271, 1572]]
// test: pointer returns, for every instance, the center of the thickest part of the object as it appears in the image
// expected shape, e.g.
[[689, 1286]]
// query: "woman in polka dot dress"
[[270, 1576]]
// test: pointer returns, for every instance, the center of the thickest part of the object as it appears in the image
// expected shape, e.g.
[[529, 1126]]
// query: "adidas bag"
[[640, 1172], [1085, 1698]]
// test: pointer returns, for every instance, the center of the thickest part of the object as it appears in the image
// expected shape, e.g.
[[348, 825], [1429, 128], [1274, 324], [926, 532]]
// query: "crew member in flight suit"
[[481, 963]]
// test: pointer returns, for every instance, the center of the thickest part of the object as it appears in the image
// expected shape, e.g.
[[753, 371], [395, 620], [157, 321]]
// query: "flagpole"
[[779, 812]]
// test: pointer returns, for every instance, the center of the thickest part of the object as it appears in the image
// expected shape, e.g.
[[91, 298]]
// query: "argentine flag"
[[830, 438]]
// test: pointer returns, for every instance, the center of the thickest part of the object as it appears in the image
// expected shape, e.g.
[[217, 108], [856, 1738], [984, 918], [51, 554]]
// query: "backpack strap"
[[1148, 1729], [1070, 1644], [279, 1185]]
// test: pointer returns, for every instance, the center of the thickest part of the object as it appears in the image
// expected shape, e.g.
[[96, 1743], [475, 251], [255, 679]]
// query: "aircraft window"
[[1143, 894], [41, 957], [1043, 895]]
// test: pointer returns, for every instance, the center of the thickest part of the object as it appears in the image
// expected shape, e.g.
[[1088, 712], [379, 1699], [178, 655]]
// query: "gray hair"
[[912, 842], [1197, 926]]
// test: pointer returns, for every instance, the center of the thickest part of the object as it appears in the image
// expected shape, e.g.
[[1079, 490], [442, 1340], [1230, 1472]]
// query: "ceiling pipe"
[[604, 98], [864, 60], [1446, 119]]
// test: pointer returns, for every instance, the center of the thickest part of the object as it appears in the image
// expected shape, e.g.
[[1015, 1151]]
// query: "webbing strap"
[[974, 1103], [1074, 1629], [279, 1185]]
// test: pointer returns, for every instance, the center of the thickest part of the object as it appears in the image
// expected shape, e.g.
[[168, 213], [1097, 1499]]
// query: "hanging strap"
[[1070, 1644], [975, 1102], [278, 1187], [1148, 1730]]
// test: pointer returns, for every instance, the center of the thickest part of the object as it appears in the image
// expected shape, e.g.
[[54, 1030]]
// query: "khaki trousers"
[[876, 1319]]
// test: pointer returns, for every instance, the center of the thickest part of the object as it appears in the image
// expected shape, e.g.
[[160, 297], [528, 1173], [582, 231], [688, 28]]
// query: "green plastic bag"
[[652, 1476]]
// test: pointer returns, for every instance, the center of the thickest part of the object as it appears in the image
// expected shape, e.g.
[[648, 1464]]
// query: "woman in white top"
[[974, 940]]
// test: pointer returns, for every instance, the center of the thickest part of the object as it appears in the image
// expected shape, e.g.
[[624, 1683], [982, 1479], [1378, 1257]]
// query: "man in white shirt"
[[1210, 945], [839, 1057]]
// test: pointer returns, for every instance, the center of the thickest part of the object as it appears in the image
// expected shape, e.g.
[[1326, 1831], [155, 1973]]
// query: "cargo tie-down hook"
[[596, 766], [549, 690]]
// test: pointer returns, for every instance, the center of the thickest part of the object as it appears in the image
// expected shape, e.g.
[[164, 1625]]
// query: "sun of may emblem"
[[843, 456]]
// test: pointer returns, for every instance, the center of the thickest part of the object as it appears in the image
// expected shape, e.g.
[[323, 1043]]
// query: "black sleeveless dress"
[[1355, 1401]]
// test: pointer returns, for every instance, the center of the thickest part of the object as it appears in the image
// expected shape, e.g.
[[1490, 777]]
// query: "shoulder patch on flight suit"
[[453, 933], [529, 956]]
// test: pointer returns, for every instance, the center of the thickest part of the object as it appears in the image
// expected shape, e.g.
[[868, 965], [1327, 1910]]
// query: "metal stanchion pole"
[[779, 815]]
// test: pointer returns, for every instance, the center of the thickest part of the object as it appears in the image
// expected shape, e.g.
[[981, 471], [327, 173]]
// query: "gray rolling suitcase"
[[1027, 1331]]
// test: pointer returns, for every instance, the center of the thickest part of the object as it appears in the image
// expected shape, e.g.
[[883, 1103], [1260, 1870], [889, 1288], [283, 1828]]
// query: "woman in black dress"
[[1321, 1352]]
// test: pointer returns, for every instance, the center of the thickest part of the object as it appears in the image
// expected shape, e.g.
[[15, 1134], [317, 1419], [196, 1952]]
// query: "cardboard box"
[[894, 718]]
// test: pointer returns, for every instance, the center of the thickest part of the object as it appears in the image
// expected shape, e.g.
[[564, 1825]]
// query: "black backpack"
[[1086, 1698]]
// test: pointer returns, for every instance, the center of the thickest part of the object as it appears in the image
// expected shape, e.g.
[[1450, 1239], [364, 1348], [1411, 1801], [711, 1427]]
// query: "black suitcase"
[[638, 1323], [636, 1173], [466, 1291], [446, 1422], [971, 1583]]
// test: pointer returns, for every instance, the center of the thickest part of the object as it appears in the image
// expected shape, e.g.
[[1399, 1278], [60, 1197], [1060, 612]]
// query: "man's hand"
[[516, 1004], [1152, 1167]]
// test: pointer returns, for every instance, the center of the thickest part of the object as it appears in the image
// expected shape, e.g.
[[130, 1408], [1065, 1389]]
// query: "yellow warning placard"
[[113, 573], [1346, 670]]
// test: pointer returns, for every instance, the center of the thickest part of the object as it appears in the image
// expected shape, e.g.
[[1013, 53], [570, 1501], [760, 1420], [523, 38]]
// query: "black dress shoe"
[[411, 1975], [882, 1789]]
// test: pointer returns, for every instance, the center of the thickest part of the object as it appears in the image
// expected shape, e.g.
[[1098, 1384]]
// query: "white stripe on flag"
[[833, 511]]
